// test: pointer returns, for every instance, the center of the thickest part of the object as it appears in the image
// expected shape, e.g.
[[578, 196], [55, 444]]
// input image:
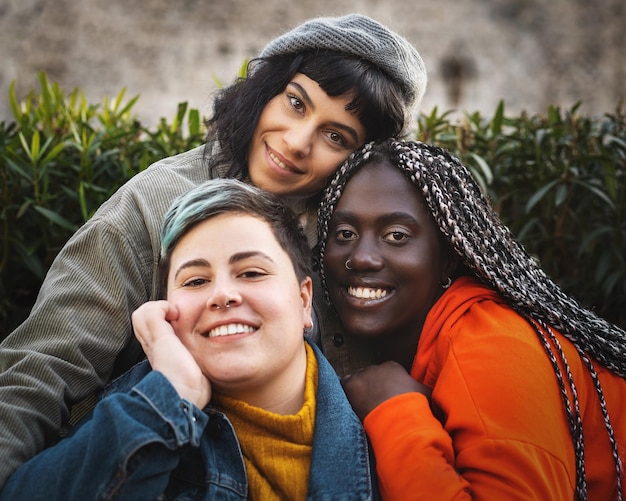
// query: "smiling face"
[[301, 138], [398, 258], [242, 310]]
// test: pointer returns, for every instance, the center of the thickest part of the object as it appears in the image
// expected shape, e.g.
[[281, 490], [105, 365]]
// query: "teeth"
[[230, 329], [366, 292], [279, 163]]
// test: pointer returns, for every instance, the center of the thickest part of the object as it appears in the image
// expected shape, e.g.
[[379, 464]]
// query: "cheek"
[[420, 276], [326, 162], [190, 307], [270, 118], [256, 153], [256, 144], [182, 327], [334, 260]]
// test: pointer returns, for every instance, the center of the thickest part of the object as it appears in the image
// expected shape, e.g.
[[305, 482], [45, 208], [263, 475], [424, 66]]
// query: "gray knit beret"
[[360, 36]]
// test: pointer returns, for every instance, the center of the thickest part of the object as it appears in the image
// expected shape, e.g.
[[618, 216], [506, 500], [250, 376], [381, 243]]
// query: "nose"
[[365, 255], [298, 140], [224, 295]]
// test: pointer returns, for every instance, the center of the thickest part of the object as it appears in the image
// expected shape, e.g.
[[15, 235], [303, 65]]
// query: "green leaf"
[[554, 115], [591, 238], [611, 139], [118, 99], [498, 118], [82, 201], [53, 153], [487, 174], [597, 192], [193, 120], [560, 195], [30, 261], [34, 146], [128, 106], [15, 107], [527, 228], [18, 168], [26, 147], [539, 194], [53, 217], [23, 208], [614, 279]]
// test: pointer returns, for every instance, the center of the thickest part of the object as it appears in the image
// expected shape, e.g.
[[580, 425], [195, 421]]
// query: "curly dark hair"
[[376, 100]]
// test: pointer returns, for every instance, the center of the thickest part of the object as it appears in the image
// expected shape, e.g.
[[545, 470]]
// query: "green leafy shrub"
[[59, 160], [557, 180]]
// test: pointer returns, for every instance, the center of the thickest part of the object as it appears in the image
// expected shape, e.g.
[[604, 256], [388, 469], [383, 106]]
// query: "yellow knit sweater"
[[276, 448]]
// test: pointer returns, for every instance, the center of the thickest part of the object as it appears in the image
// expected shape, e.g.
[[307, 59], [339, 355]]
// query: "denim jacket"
[[143, 442]]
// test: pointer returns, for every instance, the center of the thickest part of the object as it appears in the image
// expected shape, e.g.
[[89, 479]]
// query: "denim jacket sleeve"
[[126, 449]]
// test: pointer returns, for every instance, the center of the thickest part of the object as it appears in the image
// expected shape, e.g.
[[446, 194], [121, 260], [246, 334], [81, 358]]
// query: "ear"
[[451, 263], [306, 293]]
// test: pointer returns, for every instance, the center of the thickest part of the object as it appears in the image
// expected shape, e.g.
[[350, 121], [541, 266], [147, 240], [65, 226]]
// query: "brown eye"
[[396, 237], [296, 103], [253, 274], [336, 138], [345, 235], [195, 282]]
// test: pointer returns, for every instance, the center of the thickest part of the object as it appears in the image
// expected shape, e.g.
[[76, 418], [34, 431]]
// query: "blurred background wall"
[[531, 53]]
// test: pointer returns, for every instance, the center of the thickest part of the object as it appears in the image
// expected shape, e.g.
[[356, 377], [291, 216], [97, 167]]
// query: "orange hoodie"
[[498, 429]]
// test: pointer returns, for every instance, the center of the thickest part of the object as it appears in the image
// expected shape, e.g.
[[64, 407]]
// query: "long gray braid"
[[489, 250]]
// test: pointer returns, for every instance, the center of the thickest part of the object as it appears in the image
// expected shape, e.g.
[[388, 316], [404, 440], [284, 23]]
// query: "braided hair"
[[489, 251]]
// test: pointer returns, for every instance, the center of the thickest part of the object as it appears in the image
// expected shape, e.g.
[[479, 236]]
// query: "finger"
[[347, 377], [171, 311]]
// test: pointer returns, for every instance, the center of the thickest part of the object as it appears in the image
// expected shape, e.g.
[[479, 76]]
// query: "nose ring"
[[347, 265]]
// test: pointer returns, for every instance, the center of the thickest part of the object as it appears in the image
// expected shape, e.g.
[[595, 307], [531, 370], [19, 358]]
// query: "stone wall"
[[530, 53]]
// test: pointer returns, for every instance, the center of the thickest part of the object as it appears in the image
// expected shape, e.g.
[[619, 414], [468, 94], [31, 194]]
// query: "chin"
[[358, 330]]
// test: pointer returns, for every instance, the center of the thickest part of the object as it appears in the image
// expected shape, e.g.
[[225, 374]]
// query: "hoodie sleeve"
[[495, 428]]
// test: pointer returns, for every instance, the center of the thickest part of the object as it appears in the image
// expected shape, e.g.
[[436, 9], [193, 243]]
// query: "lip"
[[229, 329], [371, 294], [367, 292], [279, 164]]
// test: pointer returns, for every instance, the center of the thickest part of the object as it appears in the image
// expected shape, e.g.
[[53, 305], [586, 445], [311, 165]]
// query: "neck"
[[282, 394], [297, 203], [401, 351], [400, 345], [397, 345]]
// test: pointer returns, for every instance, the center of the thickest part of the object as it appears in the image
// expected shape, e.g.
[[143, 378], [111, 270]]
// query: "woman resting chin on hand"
[[232, 403]]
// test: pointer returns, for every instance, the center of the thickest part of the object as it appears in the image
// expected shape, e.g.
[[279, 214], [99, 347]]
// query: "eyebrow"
[[307, 99], [240, 256], [388, 217], [191, 264]]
